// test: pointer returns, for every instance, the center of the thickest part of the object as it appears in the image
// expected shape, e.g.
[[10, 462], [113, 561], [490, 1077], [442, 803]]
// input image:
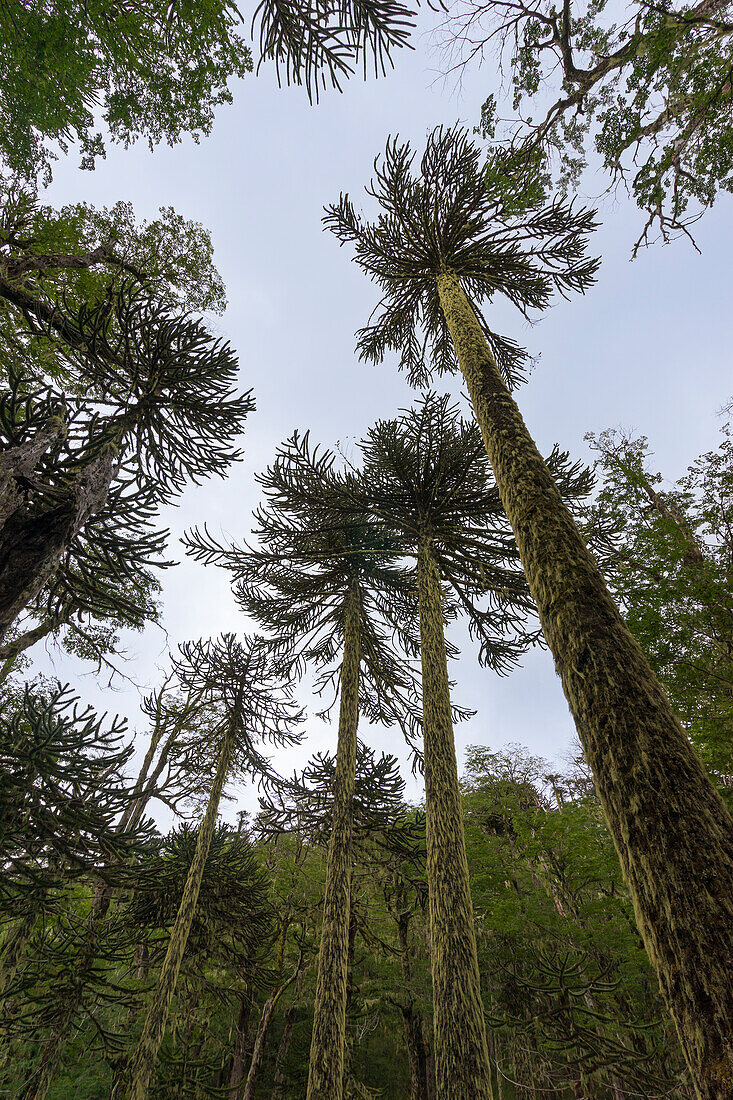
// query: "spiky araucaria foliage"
[[456, 213], [325, 582], [116, 396], [380, 816], [241, 694], [670, 826], [322, 42], [148, 405], [63, 791], [297, 579], [426, 472], [243, 689], [234, 920]]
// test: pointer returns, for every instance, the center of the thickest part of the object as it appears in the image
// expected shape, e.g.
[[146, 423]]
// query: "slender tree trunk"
[[282, 1053], [241, 1038], [416, 1053], [672, 832], [326, 1070], [143, 1062], [412, 1018], [461, 1055], [431, 1065], [258, 1050]]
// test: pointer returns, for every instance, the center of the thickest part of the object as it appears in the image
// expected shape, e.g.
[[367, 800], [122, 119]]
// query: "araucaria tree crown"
[[457, 215]]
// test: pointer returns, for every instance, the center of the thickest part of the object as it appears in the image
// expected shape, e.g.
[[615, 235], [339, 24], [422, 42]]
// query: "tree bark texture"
[[258, 1051], [672, 832], [143, 1061], [326, 1068], [461, 1055], [412, 1018], [31, 546]]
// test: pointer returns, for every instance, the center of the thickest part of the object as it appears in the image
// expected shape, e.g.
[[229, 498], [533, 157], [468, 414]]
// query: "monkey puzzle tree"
[[249, 701], [115, 399], [63, 790], [448, 238], [426, 476], [320, 583]]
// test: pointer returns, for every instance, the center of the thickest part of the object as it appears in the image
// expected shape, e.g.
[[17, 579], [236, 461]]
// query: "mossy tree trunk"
[[326, 1069], [143, 1061], [412, 1018], [461, 1055], [671, 830]]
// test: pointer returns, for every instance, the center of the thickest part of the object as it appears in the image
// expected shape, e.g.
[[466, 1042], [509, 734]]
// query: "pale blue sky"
[[646, 349]]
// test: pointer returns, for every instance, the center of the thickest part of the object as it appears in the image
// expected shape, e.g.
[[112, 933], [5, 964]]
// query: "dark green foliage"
[[141, 400], [545, 885], [378, 810], [158, 72], [668, 561], [426, 473], [311, 554], [562, 962], [453, 214], [240, 692], [233, 924], [63, 788], [317, 42]]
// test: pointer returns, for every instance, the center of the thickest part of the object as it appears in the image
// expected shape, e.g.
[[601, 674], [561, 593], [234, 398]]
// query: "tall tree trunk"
[[326, 1069], [412, 1018], [672, 832], [143, 1062], [241, 1038], [416, 1053], [461, 1055], [282, 1053]]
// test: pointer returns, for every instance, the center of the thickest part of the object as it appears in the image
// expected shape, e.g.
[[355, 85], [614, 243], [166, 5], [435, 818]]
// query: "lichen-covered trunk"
[[672, 832], [412, 1018], [31, 546], [258, 1051], [461, 1055], [326, 1068], [143, 1061]]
